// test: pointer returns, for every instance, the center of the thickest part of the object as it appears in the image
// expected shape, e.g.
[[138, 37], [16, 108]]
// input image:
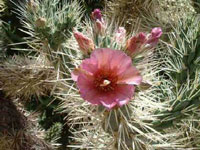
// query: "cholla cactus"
[[129, 12], [23, 78], [149, 13], [128, 129], [182, 87], [49, 24], [53, 133], [117, 76], [106, 77], [16, 132]]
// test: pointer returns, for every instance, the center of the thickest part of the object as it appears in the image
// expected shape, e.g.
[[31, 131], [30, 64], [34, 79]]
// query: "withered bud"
[[40, 22]]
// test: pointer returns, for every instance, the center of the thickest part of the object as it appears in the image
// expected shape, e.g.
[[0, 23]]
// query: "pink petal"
[[122, 95], [87, 89], [77, 71], [75, 74], [120, 62], [130, 76], [125, 90], [90, 65], [103, 56], [99, 27], [118, 66], [111, 59]]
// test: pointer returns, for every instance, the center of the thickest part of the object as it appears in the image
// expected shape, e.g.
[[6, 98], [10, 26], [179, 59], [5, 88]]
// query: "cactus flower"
[[107, 78], [154, 36], [120, 34], [85, 44], [135, 43]]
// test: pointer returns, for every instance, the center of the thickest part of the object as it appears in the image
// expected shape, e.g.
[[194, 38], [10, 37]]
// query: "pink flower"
[[154, 36], [135, 43], [96, 15], [85, 44], [107, 78], [120, 34]]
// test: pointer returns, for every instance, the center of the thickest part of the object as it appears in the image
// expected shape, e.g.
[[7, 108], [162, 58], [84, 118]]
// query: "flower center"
[[105, 83]]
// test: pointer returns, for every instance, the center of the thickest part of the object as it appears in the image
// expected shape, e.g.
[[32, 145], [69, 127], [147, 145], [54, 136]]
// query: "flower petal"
[[119, 62], [103, 56], [130, 76], [122, 95], [75, 74], [154, 36], [112, 60], [125, 91], [90, 65], [87, 89]]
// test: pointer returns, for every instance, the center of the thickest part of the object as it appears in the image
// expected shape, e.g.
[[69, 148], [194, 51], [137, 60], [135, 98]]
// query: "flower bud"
[[99, 27], [120, 35], [96, 15], [85, 44], [154, 36], [135, 43]]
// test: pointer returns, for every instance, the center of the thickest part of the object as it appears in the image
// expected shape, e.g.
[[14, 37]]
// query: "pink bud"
[[135, 43], [85, 44], [154, 36], [96, 14], [120, 34], [99, 27], [99, 24]]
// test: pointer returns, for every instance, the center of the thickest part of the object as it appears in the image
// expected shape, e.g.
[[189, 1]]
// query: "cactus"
[[160, 97], [5, 143], [23, 78], [183, 69], [51, 119], [10, 31], [148, 13], [64, 55], [49, 24], [54, 132], [15, 129], [44, 23], [181, 88], [117, 127]]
